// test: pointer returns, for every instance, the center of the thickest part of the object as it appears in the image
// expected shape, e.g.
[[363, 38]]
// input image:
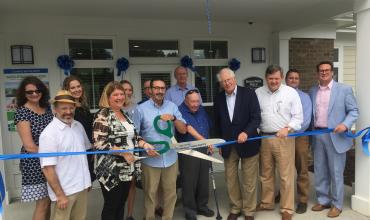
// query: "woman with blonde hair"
[[114, 130]]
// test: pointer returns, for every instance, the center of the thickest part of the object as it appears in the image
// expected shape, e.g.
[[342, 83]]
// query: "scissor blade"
[[200, 155], [197, 144]]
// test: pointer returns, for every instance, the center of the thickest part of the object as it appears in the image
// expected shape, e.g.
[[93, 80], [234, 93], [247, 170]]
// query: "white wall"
[[47, 34]]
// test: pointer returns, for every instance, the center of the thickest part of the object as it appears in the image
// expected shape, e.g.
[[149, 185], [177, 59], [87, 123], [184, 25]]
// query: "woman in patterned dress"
[[31, 117], [114, 130]]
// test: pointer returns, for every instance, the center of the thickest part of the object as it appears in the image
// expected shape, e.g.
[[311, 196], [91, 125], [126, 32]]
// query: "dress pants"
[[278, 152], [329, 167], [114, 201], [76, 209], [301, 165], [195, 183], [242, 195], [153, 179]]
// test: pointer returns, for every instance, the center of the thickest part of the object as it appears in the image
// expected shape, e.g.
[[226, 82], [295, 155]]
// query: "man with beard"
[[68, 177], [161, 171]]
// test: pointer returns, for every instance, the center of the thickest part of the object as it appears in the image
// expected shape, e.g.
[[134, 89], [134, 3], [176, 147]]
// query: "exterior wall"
[[305, 54], [349, 66], [48, 34]]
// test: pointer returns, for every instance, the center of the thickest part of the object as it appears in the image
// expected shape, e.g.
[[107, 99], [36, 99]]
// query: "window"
[[166, 77], [210, 49], [335, 55], [207, 83], [153, 48], [94, 65], [94, 80], [91, 49]]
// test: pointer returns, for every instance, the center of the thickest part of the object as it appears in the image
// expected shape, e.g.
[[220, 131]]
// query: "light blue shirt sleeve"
[[307, 110]]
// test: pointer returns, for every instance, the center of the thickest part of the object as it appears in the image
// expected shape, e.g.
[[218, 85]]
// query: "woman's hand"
[[150, 150], [129, 157]]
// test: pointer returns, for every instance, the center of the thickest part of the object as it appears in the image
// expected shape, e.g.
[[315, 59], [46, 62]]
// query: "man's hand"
[[129, 157], [167, 117], [340, 128], [242, 138], [210, 149], [283, 133], [150, 150], [62, 202]]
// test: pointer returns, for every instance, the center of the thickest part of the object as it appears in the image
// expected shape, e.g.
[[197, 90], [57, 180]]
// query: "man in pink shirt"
[[334, 106]]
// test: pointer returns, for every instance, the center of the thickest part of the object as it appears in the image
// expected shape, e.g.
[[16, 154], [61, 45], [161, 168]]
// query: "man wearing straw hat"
[[68, 177]]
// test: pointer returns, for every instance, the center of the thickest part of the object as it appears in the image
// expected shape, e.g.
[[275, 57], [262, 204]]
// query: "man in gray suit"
[[334, 106]]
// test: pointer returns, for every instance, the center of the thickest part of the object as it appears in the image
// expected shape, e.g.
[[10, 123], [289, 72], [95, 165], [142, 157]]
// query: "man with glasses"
[[237, 117], [194, 171], [334, 106], [281, 112], [147, 91], [161, 171], [176, 93]]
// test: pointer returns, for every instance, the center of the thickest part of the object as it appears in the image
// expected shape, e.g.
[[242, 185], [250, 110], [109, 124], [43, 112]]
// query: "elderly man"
[[237, 116], [281, 112], [68, 177], [292, 79], [176, 93], [194, 171], [159, 171], [334, 106]]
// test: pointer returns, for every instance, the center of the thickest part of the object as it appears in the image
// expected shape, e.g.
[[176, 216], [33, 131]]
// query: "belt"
[[318, 128]]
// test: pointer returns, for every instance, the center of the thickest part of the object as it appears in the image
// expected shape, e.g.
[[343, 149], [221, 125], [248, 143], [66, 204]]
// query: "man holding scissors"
[[161, 171]]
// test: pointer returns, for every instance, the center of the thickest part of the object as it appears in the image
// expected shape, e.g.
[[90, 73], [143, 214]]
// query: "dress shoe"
[[190, 216], [301, 208], [318, 207], [249, 217], [233, 216], [286, 216], [206, 212], [334, 212], [260, 207]]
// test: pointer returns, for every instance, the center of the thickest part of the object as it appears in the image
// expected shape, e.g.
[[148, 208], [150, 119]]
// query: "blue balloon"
[[234, 64], [122, 64], [187, 62], [66, 63]]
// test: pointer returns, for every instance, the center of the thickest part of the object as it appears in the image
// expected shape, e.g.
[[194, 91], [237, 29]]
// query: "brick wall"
[[305, 53]]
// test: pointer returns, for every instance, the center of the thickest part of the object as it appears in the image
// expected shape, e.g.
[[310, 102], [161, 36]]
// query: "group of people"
[[239, 114]]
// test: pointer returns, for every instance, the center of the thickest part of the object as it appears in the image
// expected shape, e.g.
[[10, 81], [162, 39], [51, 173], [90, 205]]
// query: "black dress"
[[33, 181]]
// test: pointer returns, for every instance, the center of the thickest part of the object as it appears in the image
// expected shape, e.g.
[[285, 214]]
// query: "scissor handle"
[[166, 131], [164, 149]]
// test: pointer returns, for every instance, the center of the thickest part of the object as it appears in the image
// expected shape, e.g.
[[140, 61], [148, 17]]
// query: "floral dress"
[[33, 181]]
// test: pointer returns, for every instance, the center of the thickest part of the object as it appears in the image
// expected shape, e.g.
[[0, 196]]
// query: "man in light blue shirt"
[[301, 143], [159, 171], [176, 93]]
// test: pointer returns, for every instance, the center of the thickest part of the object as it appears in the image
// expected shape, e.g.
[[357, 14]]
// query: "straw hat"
[[63, 96]]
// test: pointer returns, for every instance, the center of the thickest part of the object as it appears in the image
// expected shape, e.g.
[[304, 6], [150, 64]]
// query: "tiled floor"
[[19, 211]]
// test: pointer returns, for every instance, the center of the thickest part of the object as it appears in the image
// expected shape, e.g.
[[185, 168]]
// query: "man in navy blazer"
[[334, 106], [237, 117]]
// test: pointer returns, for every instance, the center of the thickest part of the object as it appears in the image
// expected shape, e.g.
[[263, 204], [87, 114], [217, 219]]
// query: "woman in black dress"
[[33, 114], [82, 113]]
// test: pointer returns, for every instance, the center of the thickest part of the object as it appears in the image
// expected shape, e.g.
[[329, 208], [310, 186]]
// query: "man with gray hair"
[[237, 117], [281, 112]]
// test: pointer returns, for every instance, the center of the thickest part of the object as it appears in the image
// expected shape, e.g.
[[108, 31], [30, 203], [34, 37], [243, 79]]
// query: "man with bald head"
[[176, 93], [237, 117]]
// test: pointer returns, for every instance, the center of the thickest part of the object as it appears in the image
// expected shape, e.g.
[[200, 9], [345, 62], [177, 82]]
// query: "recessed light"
[[136, 46]]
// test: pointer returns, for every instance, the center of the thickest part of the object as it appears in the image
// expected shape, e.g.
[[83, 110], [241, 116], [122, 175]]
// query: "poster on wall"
[[13, 77]]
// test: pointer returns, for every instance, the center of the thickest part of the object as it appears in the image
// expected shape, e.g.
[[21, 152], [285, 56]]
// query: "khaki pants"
[[165, 178], [76, 209], [242, 198], [301, 164], [279, 152]]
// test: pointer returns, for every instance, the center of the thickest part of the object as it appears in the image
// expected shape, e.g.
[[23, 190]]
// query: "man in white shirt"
[[281, 113], [68, 177]]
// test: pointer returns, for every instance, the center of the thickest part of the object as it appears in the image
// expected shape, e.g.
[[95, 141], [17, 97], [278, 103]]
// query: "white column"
[[361, 198], [284, 54]]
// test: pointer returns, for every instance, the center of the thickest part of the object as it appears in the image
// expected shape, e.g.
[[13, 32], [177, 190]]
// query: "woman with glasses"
[[33, 114]]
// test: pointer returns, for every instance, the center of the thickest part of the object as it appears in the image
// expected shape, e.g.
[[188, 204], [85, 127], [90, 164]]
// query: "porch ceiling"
[[280, 14]]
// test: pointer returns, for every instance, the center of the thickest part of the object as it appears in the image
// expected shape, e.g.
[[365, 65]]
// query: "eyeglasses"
[[145, 88], [191, 92], [30, 92], [159, 88], [325, 71]]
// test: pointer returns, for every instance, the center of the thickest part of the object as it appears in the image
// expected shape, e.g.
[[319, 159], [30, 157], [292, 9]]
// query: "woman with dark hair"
[[33, 114], [83, 115], [114, 130]]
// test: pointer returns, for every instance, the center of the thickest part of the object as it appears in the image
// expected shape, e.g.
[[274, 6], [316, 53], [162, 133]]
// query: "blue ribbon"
[[365, 141]]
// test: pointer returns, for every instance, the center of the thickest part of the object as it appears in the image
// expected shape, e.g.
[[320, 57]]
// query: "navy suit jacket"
[[247, 118]]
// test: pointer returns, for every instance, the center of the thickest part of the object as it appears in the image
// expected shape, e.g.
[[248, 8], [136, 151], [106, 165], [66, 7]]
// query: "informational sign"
[[253, 82], [13, 77]]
